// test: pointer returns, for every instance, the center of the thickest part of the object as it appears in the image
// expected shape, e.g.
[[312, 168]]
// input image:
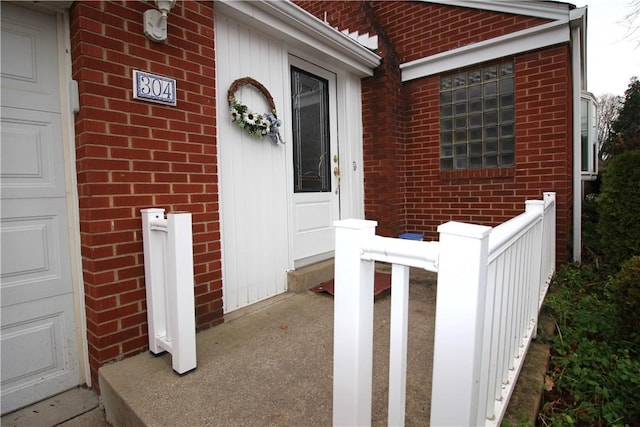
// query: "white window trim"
[[498, 47], [592, 156]]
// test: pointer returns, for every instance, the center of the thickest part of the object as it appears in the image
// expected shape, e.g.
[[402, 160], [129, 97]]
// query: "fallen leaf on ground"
[[548, 383]]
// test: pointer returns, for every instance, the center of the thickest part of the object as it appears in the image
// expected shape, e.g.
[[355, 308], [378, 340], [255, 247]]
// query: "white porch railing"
[[491, 284], [168, 267]]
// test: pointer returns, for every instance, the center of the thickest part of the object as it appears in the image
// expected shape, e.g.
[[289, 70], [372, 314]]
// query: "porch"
[[273, 365]]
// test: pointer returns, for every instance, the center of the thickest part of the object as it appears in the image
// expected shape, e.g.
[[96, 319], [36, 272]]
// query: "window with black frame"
[[477, 118]]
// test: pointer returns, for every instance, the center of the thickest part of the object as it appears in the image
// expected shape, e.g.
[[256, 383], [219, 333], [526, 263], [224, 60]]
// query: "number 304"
[[155, 87]]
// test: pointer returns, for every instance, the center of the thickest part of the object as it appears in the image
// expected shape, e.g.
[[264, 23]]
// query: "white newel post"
[[168, 265], [353, 325], [550, 231], [462, 276], [181, 295]]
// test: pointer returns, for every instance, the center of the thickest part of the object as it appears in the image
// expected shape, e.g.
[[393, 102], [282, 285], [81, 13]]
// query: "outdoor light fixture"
[[155, 22]]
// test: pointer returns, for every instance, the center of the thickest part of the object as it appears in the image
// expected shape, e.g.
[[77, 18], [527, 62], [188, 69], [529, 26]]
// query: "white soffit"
[[370, 42], [498, 47], [286, 21]]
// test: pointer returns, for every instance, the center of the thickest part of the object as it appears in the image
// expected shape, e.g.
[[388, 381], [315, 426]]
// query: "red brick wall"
[[384, 124], [544, 133], [491, 196], [133, 155], [419, 28], [404, 188]]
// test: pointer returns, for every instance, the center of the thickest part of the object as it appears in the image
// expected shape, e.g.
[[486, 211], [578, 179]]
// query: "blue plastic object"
[[411, 236]]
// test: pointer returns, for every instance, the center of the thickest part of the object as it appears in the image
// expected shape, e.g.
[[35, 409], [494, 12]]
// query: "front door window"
[[311, 139]]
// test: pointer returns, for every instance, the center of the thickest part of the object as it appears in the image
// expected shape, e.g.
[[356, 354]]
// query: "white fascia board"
[[498, 47], [539, 9], [288, 22], [576, 72], [579, 21]]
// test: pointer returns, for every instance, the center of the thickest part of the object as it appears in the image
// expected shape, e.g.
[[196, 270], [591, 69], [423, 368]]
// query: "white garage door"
[[39, 351]]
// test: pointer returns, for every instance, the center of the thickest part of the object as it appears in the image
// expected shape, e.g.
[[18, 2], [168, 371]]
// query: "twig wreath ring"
[[260, 125]]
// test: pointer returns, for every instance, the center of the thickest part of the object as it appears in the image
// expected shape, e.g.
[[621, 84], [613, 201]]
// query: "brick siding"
[[132, 155], [404, 187]]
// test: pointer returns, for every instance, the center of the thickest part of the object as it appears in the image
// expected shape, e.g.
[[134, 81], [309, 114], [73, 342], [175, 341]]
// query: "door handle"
[[336, 173]]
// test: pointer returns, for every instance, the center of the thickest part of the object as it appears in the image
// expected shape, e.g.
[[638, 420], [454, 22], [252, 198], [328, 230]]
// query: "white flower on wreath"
[[234, 114], [249, 118], [255, 124]]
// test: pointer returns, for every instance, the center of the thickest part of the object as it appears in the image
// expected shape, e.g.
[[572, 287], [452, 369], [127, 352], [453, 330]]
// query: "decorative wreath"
[[254, 124]]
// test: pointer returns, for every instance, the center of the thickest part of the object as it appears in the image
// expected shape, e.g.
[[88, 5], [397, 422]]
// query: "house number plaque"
[[153, 88]]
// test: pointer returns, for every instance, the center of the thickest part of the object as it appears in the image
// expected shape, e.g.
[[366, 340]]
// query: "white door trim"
[[348, 104], [350, 145], [69, 100]]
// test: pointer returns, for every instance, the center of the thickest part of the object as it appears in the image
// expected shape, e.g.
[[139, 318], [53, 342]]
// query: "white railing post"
[[180, 292], [462, 276], [168, 265], [550, 232], [353, 325]]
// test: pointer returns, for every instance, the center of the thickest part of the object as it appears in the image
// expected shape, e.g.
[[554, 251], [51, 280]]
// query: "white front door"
[[38, 336], [316, 163]]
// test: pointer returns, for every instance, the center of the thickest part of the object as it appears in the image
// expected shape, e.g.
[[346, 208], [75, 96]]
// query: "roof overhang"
[[499, 47], [563, 19], [553, 10], [285, 21]]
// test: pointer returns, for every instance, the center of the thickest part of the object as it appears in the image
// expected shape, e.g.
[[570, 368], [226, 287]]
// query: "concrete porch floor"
[[271, 365]]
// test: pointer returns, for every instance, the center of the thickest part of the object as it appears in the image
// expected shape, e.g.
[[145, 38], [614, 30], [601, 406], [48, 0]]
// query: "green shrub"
[[591, 250], [619, 208], [625, 292], [594, 373]]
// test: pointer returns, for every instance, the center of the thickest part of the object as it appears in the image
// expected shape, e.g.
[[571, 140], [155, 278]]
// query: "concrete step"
[[305, 278]]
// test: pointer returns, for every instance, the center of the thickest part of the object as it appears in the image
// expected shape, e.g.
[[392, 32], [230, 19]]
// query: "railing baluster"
[[501, 311], [398, 343], [491, 336]]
